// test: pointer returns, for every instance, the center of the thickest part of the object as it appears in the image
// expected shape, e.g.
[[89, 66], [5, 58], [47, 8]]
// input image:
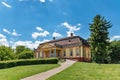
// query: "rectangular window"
[[77, 52], [84, 52], [52, 53], [89, 54], [64, 53], [58, 53], [41, 54], [71, 52], [38, 54]]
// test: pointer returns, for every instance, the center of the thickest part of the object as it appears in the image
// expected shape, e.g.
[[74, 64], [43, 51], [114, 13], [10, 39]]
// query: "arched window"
[[71, 52]]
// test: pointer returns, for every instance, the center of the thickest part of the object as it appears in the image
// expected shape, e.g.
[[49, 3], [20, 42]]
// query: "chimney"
[[53, 38], [71, 34]]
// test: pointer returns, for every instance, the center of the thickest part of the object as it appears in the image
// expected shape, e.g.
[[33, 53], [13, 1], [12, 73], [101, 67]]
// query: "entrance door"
[[47, 54], [58, 54]]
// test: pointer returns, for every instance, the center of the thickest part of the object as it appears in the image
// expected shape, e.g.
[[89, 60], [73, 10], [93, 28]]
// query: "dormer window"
[[69, 40]]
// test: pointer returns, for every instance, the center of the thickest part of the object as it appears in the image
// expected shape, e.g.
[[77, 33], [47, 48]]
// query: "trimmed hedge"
[[8, 64]]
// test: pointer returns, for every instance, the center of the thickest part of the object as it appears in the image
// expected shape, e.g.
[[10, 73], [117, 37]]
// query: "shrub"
[[49, 61], [8, 64]]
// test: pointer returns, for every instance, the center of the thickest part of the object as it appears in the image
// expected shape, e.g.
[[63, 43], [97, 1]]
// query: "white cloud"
[[3, 40], [39, 28], [69, 33], [2, 36], [78, 24], [36, 43], [50, 0], [7, 31], [29, 44], [42, 1], [22, 43], [6, 5], [55, 34], [11, 42], [40, 34], [71, 29], [14, 33], [117, 37]]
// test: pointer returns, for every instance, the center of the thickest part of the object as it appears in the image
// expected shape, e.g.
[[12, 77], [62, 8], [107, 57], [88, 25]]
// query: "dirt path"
[[47, 74]]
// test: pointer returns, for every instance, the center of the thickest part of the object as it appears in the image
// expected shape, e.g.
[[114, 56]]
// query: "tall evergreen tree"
[[99, 40]]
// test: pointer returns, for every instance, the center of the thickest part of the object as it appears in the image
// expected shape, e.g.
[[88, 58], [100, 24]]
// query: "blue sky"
[[30, 22]]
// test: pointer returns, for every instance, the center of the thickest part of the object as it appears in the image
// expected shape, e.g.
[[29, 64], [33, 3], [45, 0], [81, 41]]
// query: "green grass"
[[16, 73], [89, 71]]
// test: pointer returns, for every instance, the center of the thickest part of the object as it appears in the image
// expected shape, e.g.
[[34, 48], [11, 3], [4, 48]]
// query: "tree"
[[19, 49], [115, 51], [6, 53], [26, 54], [99, 40], [23, 53]]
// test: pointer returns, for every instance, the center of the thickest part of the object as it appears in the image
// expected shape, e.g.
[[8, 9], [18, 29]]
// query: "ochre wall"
[[87, 52], [67, 52], [74, 51], [84, 51]]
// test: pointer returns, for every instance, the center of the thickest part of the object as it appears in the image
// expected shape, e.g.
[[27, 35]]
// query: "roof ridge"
[[65, 38], [62, 39]]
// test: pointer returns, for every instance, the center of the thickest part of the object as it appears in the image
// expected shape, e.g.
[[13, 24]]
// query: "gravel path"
[[49, 73]]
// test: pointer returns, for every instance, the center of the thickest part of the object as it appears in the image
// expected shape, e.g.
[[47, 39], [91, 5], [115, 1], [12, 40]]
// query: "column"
[[55, 53], [50, 53], [43, 54], [38, 54], [81, 51]]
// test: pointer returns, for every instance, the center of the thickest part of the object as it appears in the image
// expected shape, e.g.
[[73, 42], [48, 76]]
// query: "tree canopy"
[[115, 51], [19, 49], [6, 53], [21, 52]]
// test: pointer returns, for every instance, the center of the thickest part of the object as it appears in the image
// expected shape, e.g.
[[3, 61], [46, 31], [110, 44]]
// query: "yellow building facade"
[[73, 47]]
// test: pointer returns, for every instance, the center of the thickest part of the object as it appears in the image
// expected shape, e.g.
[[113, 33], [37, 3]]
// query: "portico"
[[48, 51]]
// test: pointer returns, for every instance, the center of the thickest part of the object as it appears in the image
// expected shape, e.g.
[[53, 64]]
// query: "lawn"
[[16, 73], [89, 71]]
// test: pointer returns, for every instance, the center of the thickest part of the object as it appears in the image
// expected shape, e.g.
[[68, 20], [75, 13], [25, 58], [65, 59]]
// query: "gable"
[[46, 46]]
